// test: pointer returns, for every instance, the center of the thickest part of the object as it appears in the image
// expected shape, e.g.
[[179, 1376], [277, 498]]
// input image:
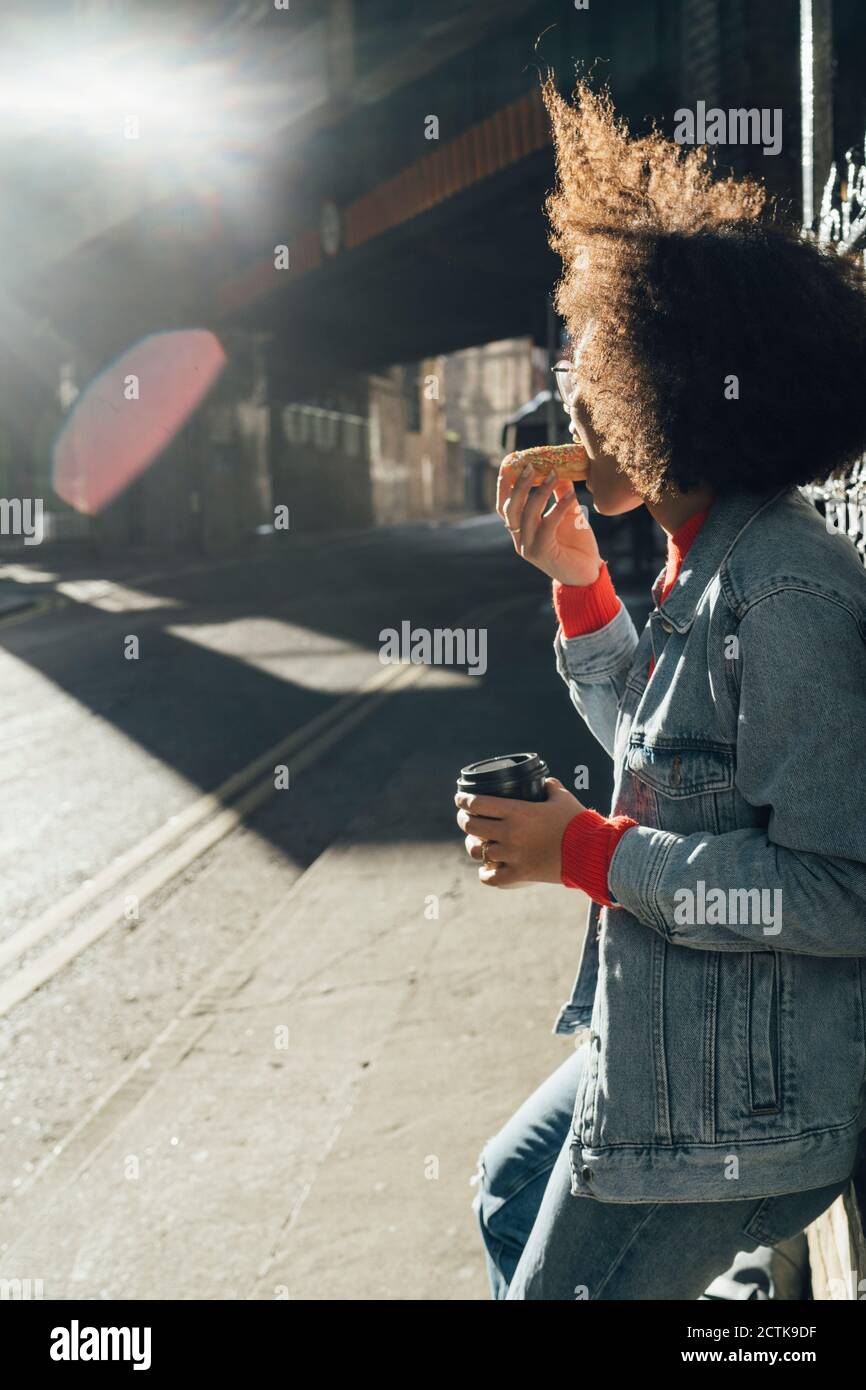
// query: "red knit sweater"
[[590, 839]]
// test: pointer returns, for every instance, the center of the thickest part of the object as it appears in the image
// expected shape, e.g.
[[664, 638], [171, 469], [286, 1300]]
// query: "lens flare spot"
[[130, 413]]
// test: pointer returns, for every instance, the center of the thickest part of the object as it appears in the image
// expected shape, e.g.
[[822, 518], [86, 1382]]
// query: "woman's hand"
[[561, 543], [524, 838]]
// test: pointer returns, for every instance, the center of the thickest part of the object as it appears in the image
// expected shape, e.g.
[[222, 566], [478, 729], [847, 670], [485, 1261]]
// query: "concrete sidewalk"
[[283, 1137]]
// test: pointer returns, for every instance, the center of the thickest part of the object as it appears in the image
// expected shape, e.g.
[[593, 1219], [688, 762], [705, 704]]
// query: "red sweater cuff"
[[583, 608], [588, 846]]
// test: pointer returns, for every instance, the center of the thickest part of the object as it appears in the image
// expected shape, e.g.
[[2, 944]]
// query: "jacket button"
[[586, 1173], [666, 626]]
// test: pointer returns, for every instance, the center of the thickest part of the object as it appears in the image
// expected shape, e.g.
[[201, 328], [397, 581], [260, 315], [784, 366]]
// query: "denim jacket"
[[724, 994]]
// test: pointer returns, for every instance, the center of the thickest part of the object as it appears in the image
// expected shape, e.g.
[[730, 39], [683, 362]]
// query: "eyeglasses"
[[566, 380]]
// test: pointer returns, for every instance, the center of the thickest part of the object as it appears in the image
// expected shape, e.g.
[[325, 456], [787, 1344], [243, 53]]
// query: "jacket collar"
[[727, 519]]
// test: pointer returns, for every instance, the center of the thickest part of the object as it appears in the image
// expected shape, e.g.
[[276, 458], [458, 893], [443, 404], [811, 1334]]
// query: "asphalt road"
[[122, 887]]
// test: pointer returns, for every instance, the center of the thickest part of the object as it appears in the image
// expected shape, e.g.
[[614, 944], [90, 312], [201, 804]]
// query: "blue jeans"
[[543, 1243]]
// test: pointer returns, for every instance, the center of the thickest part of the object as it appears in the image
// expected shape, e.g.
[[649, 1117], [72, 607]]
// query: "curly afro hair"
[[689, 280]]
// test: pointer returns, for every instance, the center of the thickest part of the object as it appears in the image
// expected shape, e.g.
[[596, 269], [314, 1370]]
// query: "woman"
[[715, 1101]]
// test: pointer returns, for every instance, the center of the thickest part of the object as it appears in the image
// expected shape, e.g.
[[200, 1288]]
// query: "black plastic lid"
[[505, 769]]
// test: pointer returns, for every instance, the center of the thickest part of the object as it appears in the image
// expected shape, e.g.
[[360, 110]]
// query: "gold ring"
[[485, 845], [515, 530]]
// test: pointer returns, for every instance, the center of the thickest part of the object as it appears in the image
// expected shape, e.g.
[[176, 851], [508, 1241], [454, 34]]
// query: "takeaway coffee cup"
[[519, 776]]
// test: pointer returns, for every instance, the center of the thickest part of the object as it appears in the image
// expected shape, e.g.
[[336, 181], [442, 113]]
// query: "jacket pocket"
[[685, 784], [680, 767], [763, 1032]]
